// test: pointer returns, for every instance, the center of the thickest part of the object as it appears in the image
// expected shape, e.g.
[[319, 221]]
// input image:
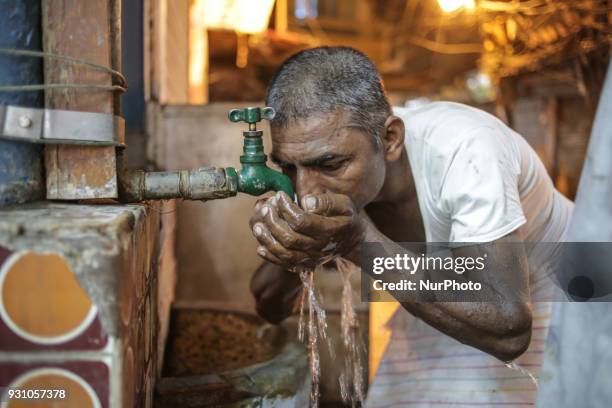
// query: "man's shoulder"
[[446, 126], [436, 108], [445, 116], [449, 136]]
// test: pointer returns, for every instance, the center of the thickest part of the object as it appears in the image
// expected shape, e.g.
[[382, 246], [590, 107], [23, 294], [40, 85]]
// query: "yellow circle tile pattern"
[[41, 295], [78, 393]]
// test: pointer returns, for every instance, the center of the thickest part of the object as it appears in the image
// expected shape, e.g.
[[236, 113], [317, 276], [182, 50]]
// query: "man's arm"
[[276, 291], [501, 326]]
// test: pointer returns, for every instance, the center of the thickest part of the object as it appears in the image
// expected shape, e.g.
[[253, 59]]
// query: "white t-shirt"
[[477, 180]]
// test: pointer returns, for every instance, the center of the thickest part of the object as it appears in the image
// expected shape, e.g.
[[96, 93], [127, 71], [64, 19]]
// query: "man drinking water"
[[444, 172]]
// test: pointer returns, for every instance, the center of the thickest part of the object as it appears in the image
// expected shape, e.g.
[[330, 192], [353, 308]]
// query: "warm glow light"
[[198, 56], [449, 6], [198, 60], [244, 16]]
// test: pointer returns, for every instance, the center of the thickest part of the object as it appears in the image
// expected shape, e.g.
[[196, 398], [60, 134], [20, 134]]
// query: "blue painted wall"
[[21, 172], [132, 55]]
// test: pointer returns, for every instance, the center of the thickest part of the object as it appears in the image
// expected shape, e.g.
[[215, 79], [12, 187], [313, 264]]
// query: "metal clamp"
[[52, 126]]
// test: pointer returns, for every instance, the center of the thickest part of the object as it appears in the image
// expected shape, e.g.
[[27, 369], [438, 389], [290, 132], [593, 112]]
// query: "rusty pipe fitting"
[[204, 183]]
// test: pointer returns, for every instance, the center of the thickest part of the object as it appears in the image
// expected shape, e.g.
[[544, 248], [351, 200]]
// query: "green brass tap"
[[255, 178]]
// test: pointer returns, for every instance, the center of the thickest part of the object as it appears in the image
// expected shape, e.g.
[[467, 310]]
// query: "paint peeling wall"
[[124, 265], [21, 177]]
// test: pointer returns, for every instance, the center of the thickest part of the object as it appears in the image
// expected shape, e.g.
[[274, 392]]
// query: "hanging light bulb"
[[449, 6], [243, 16]]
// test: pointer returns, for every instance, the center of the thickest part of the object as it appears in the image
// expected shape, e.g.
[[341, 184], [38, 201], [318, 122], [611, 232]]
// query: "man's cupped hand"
[[290, 235]]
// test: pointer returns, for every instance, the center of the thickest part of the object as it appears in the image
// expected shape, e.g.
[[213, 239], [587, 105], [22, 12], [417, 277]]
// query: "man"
[[441, 173]]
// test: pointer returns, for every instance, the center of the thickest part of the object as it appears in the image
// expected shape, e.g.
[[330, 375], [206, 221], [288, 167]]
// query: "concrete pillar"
[[84, 300], [577, 368]]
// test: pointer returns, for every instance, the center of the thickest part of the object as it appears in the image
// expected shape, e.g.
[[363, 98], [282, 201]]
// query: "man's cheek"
[[363, 180], [355, 191], [370, 188]]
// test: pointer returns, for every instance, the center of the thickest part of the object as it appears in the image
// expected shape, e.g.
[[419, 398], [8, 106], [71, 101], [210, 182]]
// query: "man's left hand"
[[289, 235]]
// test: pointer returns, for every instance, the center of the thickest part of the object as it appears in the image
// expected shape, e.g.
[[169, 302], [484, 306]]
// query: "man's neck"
[[396, 212], [399, 187]]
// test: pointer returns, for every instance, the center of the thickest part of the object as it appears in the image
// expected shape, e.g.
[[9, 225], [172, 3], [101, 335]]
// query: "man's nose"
[[306, 183]]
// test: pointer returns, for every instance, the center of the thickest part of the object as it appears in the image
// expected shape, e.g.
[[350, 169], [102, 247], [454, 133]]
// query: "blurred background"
[[537, 64], [156, 294]]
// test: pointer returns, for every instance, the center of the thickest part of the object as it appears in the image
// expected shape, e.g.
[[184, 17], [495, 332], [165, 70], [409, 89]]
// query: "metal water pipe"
[[21, 178], [210, 183], [21, 173]]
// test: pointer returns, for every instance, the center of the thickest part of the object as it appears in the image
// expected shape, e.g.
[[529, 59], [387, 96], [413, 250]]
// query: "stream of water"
[[514, 366], [351, 379], [310, 330]]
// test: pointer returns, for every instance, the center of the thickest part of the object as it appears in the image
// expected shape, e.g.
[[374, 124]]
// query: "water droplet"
[[514, 366]]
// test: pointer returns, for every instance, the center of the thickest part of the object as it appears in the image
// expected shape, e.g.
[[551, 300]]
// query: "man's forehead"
[[311, 140], [313, 127]]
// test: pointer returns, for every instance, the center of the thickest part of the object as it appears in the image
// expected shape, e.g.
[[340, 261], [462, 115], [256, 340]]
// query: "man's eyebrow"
[[317, 161]]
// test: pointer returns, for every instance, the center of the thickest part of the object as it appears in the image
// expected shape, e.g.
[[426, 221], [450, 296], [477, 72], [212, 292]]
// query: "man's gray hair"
[[323, 79]]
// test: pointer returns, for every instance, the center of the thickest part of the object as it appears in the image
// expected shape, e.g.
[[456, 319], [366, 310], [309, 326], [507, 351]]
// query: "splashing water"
[[351, 379], [315, 315], [514, 366]]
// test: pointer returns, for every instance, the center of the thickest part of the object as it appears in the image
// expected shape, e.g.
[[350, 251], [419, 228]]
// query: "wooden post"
[[551, 126], [88, 30], [198, 57], [280, 17], [167, 56]]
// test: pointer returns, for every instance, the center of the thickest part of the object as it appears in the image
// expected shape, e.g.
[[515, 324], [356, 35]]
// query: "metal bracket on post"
[[52, 126]]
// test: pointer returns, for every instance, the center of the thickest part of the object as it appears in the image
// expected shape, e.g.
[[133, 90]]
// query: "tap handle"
[[251, 115]]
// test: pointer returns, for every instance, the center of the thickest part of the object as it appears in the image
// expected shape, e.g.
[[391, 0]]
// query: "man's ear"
[[393, 138]]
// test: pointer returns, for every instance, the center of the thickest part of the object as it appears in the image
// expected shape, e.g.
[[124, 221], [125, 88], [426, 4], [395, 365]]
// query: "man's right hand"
[[276, 291], [289, 235]]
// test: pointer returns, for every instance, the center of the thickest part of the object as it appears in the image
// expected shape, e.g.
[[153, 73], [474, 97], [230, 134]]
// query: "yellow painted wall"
[[380, 313]]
